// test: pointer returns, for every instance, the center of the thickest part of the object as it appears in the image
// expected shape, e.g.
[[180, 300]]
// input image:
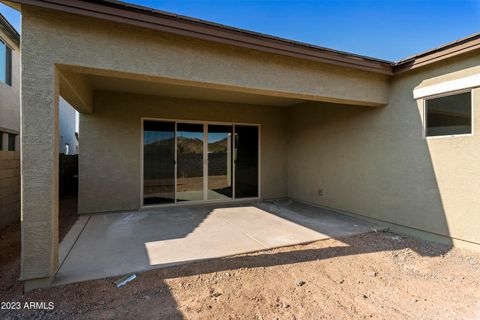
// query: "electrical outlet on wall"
[[321, 192]]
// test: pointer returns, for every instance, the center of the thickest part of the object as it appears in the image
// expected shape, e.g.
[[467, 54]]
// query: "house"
[[175, 110], [10, 97], [67, 120], [9, 123], [9, 86]]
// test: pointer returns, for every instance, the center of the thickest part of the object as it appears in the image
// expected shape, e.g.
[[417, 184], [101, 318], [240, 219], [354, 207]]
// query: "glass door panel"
[[246, 161], [220, 162], [158, 162], [190, 139]]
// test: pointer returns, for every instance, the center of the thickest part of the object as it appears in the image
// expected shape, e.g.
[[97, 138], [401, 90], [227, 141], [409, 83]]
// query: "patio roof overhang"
[[78, 85], [196, 28], [182, 25]]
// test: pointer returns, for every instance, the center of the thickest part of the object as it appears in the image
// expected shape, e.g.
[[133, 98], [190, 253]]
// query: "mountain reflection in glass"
[[220, 162], [159, 162], [196, 161], [190, 138]]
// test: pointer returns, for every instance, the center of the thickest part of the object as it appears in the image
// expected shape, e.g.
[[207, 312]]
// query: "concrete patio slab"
[[118, 243]]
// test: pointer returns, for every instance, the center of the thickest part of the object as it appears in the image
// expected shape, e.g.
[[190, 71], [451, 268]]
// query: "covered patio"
[[157, 109], [107, 245]]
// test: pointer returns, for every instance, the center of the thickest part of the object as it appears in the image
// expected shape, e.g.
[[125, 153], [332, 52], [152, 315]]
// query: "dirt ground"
[[375, 276]]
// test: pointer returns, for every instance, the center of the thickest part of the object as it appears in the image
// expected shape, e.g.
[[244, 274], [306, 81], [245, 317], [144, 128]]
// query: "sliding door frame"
[[205, 162]]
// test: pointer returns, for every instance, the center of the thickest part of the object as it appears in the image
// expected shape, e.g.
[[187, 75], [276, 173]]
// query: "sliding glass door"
[[190, 145], [220, 162], [158, 162], [199, 161], [246, 161]]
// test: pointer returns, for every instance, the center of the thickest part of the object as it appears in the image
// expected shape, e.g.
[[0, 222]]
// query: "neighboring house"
[[67, 123], [9, 123], [162, 97], [10, 97], [9, 86]]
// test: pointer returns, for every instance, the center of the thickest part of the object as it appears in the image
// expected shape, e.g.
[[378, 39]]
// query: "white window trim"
[[447, 87], [424, 115]]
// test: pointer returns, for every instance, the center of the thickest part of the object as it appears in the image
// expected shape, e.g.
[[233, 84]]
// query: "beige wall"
[[369, 161], [10, 95], [376, 163], [10, 122], [50, 39], [95, 43], [110, 144]]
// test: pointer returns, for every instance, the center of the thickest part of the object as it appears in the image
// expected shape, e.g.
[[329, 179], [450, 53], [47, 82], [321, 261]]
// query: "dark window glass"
[[246, 161], [11, 142], [158, 162], [3, 61], [449, 115], [8, 66], [1, 140]]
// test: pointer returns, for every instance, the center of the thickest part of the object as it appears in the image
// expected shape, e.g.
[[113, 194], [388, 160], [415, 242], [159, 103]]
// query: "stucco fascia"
[[88, 42]]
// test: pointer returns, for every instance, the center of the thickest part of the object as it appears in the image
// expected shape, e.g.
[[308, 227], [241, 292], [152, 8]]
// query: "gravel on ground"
[[378, 275]]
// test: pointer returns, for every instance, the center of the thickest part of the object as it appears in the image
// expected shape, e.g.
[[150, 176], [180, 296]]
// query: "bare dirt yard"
[[372, 276]]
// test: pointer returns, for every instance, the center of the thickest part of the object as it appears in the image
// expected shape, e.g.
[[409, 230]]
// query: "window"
[[5, 63], [449, 115], [1, 140], [11, 141]]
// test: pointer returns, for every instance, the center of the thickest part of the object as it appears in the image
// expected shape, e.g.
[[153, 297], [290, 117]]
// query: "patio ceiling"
[[159, 88], [78, 85]]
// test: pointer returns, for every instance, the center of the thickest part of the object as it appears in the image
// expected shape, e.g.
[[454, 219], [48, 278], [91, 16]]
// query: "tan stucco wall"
[[369, 161], [110, 144], [10, 95], [95, 43], [376, 163], [51, 38]]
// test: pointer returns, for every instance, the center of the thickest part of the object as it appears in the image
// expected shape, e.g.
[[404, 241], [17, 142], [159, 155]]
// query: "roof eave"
[[10, 30], [212, 32], [449, 50], [163, 21]]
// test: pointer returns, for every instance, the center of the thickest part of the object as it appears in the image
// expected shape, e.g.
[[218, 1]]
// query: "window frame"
[[446, 94], [207, 201], [10, 140], [8, 63]]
